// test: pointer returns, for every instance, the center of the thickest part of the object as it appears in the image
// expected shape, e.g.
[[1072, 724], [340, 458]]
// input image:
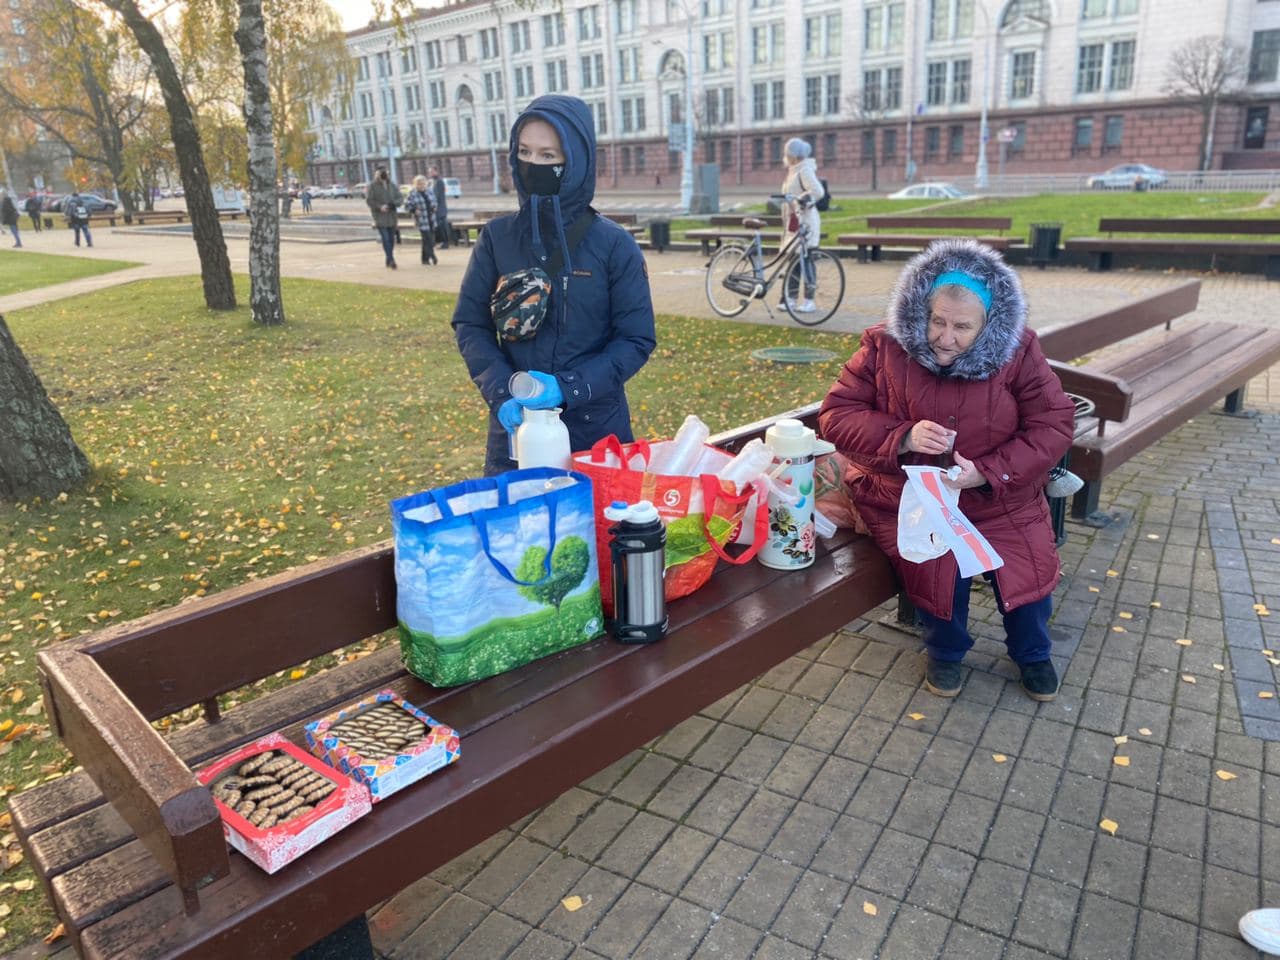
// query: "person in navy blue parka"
[[598, 330]]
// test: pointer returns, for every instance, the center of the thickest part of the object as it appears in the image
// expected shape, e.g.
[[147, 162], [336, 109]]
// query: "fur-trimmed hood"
[[908, 319]]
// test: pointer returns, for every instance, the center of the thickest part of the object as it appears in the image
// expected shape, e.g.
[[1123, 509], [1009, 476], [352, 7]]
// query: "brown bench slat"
[[51, 803], [916, 239], [1189, 245], [1111, 396], [735, 219], [894, 221], [1182, 349], [508, 770], [69, 843], [96, 889], [1079, 338], [1187, 225]]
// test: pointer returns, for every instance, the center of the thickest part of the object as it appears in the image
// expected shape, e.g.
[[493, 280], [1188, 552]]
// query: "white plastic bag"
[[930, 523]]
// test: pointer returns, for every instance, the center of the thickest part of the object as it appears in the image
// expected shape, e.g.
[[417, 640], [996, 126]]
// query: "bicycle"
[[738, 274]]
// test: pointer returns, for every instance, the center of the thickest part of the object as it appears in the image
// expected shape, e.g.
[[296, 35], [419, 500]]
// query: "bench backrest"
[[735, 220], [890, 221], [625, 218], [1077, 338], [1177, 225]]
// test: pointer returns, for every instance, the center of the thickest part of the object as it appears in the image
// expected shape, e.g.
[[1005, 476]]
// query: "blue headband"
[[955, 278]]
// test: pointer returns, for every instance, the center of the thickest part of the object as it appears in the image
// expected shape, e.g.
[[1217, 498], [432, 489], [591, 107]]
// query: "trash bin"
[[1044, 242], [659, 234]]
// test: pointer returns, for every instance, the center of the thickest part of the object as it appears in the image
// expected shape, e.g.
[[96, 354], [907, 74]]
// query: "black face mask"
[[541, 178]]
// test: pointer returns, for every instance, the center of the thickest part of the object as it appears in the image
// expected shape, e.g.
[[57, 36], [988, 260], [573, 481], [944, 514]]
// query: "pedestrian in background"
[[305, 196], [9, 216], [32, 206], [383, 197], [442, 208], [801, 182], [421, 204], [77, 214]]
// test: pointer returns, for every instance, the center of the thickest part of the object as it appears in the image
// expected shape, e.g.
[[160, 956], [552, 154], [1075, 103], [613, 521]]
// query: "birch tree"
[[1204, 71]]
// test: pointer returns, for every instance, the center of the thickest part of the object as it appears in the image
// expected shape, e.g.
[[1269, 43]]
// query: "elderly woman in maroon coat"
[[955, 377]]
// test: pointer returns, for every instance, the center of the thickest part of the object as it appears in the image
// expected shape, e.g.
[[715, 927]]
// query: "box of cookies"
[[277, 801], [383, 742]]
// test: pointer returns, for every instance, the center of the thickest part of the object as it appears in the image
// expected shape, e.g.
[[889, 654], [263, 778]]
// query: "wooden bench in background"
[[1102, 249], [464, 228], [870, 244], [1146, 388], [130, 849], [709, 236], [143, 217]]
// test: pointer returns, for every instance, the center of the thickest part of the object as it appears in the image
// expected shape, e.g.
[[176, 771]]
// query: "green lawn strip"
[[224, 452], [23, 270]]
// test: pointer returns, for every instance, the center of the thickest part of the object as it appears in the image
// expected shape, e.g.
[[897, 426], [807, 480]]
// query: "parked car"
[[96, 204], [360, 189], [1129, 176], [336, 191], [930, 191], [51, 202], [452, 187]]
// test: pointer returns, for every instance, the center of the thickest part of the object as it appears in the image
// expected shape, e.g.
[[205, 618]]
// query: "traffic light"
[[342, 171]]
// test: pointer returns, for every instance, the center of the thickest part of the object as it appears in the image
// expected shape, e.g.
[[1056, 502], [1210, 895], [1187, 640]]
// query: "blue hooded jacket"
[[599, 328]]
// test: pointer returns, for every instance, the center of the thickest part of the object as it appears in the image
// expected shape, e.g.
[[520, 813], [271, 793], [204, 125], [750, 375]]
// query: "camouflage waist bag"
[[519, 303]]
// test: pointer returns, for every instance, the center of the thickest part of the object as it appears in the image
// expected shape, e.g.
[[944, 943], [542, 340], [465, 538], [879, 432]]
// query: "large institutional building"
[[901, 85]]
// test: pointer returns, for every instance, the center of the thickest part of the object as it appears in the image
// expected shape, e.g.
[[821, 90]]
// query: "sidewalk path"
[[833, 808]]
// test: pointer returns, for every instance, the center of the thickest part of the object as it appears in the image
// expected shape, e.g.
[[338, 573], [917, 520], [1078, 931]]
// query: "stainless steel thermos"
[[638, 546]]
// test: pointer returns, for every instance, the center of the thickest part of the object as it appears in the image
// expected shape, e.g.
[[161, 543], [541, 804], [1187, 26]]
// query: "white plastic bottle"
[[680, 456], [542, 440], [753, 460]]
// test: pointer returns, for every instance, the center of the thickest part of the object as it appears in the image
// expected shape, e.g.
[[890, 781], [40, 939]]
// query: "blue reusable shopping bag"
[[493, 573]]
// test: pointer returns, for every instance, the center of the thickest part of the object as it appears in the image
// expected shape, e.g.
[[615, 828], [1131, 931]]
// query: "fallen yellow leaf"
[[1094, 590], [1268, 653], [1121, 740], [869, 908], [22, 886], [1225, 775], [1265, 695], [1273, 661], [5, 910], [1119, 629], [1218, 666], [1183, 642], [1110, 826], [57, 933], [1156, 604], [1145, 731], [1113, 573], [999, 757], [5, 725], [916, 716], [18, 695], [1126, 615], [572, 904], [297, 674], [1120, 761], [1275, 540], [1188, 678], [1153, 536]]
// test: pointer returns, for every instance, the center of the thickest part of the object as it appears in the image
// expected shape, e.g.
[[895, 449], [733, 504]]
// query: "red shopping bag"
[[700, 513]]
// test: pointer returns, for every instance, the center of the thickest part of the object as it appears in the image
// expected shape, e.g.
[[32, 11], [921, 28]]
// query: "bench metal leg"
[[1233, 405], [1272, 268], [1058, 517], [906, 610], [349, 942], [1084, 505], [1100, 260]]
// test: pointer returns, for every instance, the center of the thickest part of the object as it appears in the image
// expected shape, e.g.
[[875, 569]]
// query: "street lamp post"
[[980, 169], [686, 172], [386, 114]]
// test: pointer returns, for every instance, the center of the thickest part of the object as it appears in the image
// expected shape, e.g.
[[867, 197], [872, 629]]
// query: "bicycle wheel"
[[731, 281], [813, 303]]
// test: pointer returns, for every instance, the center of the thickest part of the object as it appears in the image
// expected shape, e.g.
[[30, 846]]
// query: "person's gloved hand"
[[551, 395], [511, 415]]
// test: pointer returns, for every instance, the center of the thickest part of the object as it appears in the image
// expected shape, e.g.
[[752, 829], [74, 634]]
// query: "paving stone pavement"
[[811, 814]]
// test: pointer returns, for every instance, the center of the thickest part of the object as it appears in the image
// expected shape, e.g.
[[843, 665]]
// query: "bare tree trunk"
[[1209, 119], [38, 456], [264, 230], [215, 265]]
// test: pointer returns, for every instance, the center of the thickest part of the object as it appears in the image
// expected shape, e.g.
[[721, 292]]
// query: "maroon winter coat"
[[1006, 405]]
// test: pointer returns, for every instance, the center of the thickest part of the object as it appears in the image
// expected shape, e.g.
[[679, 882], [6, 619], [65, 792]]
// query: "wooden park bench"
[[142, 218], [870, 244], [1145, 388], [773, 222], [130, 849], [709, 236], [1101, 250], [481, 218]]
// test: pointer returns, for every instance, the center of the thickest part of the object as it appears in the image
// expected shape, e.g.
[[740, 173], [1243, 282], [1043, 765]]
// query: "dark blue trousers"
[[1026, 628], [388, 237]]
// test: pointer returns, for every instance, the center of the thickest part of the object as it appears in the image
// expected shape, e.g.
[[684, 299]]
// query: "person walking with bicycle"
[[802, 182]]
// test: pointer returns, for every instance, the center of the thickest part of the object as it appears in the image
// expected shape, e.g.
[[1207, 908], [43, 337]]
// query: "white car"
[[1129, 176], [452, 187], [929, 191]]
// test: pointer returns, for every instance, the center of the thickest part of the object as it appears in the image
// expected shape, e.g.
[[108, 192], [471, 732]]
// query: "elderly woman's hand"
[[969, 475], [929, 438]]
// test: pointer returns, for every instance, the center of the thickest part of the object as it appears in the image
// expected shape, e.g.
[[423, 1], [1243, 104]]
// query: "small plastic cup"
[[523, 386], [951, 440]]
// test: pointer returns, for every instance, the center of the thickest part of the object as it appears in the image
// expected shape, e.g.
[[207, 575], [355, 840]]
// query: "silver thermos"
[[638, 547]]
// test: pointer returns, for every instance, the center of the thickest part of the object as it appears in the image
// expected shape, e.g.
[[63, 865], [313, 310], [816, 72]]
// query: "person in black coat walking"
[[9, 217], [32, 206], [443, 229]]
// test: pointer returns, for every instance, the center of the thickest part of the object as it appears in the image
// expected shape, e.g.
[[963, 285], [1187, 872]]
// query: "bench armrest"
[[1111, 396], [153, 791]]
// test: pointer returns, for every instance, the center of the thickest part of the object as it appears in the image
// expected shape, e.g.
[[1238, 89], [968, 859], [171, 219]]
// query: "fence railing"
[[1188, 181]]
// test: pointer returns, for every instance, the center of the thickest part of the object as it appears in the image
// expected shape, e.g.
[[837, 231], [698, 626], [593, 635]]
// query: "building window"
[[524, 81], [833, 93], [950, 19], [632, 114], [388, 100], [889, 145], [370, 139], [592, 70], [1082, 142], [1120, 75], [936, 84], [493, 86], [822, 36], [893, 88], [435, 90], [553, 29], [366, 104], [462, 48], [626, 19], [408, 59], [435, 58], [829, 151], [468, 132], [775, 150], [960, 73], [759, 101], [1099, 9], [779, 100], [413, 99], [1023, 75], [557, 76], [489, 44], [362, 67], [673, 161], [1089, 68], [767, 43], [384, 64], [757, 153], [812, 96], [1113, 134], [726, 154], [520, 37], [1030, 9], [1264, 56], [639, 159], [955, 141], [932, 142], [600, 117], [589, 22], [1019, 143], [628, 64], [868, 146], [626, 157]]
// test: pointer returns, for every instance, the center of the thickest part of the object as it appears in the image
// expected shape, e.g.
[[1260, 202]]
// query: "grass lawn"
[[20, 270], [224, 452], [1078, 213]]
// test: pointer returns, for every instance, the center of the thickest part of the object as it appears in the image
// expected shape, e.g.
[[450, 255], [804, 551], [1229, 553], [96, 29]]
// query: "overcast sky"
[[358, 13]]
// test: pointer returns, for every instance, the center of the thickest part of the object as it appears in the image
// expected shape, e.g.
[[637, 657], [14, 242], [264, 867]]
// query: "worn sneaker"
[[1040, 680], [806, 306], [942, 677], [1062, 483], [1261, 929]]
